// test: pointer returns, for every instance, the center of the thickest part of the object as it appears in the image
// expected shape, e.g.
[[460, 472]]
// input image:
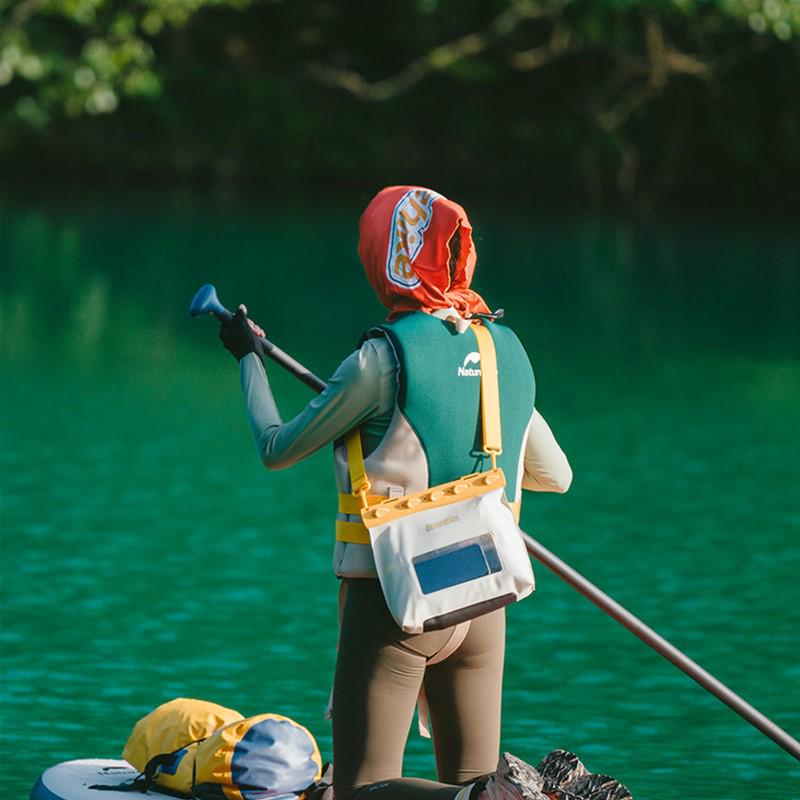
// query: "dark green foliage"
[[618, 100]]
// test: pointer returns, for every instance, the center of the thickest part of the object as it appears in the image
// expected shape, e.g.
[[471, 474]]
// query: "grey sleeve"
[[546, 467], [355, 392]]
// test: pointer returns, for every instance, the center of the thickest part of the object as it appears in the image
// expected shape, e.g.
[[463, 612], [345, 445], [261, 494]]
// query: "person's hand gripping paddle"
[[206, 302]]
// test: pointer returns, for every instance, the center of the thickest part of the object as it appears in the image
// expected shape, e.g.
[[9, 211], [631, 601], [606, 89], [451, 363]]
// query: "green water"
[[147, 555]]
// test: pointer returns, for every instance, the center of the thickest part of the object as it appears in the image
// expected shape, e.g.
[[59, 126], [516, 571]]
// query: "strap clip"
[[493, 452], [361, 490]]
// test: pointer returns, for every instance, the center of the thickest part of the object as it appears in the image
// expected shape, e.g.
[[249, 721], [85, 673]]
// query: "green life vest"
[[439, 394]]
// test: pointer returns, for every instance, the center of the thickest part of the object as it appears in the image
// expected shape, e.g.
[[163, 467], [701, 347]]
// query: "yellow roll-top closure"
[[443, 495]]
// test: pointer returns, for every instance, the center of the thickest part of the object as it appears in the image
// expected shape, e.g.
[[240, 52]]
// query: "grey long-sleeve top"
[[362, 392]]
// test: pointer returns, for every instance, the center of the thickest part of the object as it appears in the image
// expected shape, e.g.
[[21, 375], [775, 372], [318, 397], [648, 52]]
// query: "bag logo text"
[[432, 526]]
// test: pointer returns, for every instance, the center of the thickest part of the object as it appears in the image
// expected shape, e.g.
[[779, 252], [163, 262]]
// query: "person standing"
[[412, 391]]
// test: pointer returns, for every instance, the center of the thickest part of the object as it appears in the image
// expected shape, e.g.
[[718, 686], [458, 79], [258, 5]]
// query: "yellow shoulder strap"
[[490, 419], [490, 394], [359, 482]]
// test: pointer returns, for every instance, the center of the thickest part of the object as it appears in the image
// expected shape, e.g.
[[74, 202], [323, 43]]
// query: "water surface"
[[147, 555]]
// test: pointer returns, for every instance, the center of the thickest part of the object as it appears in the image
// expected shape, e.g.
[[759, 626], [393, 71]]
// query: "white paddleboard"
[[72, 779]]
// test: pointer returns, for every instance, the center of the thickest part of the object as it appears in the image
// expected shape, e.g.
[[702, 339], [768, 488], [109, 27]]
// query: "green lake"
[[146, 554]]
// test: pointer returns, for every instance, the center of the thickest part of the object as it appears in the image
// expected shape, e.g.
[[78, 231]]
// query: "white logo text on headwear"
[[466, 371], [410, 220]]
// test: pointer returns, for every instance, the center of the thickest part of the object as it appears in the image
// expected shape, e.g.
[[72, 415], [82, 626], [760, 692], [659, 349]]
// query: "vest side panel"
[[397, 464]]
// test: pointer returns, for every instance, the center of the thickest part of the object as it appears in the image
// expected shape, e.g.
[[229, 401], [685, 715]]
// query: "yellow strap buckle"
[[493, 452], [361, 491], [358, 472]]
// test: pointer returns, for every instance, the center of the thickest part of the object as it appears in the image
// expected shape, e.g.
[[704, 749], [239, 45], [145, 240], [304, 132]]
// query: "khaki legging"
[[379, 671]]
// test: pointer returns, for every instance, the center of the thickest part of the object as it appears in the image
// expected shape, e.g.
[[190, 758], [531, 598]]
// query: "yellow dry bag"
[[205, 751]]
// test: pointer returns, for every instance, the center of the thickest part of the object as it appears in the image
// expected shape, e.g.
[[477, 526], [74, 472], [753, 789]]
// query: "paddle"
[[207, 302]]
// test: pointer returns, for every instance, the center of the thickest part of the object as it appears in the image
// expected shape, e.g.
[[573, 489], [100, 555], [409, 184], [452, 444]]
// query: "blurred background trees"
[[611, 101]]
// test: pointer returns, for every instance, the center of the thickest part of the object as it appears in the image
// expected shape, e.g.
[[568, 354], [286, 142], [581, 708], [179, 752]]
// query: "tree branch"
[[536, 57], [436, 60], [24, 11]]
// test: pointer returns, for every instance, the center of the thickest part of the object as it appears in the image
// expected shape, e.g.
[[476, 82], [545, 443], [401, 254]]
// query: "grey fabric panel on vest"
[[397, 462], [352, 560]]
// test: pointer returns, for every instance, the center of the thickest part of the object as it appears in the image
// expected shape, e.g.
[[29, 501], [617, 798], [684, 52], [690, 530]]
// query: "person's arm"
[[546, 466], [356, 391]]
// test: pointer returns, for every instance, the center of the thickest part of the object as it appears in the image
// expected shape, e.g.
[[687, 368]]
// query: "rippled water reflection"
[[147, 555]]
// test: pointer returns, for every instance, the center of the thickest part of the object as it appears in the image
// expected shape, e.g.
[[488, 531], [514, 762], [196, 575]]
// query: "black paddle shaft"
[[662, 646], [599, 598], [279, 356], [291, 365]]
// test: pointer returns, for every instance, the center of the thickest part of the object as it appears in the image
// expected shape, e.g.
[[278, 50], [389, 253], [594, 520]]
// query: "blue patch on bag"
[[457, 563], [171, 767], [274, 754]]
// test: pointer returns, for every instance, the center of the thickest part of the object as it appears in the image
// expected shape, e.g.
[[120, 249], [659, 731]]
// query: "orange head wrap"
[[410, 254]]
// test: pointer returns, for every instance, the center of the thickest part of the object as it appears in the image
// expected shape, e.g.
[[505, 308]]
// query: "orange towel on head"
[[405, 247]]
